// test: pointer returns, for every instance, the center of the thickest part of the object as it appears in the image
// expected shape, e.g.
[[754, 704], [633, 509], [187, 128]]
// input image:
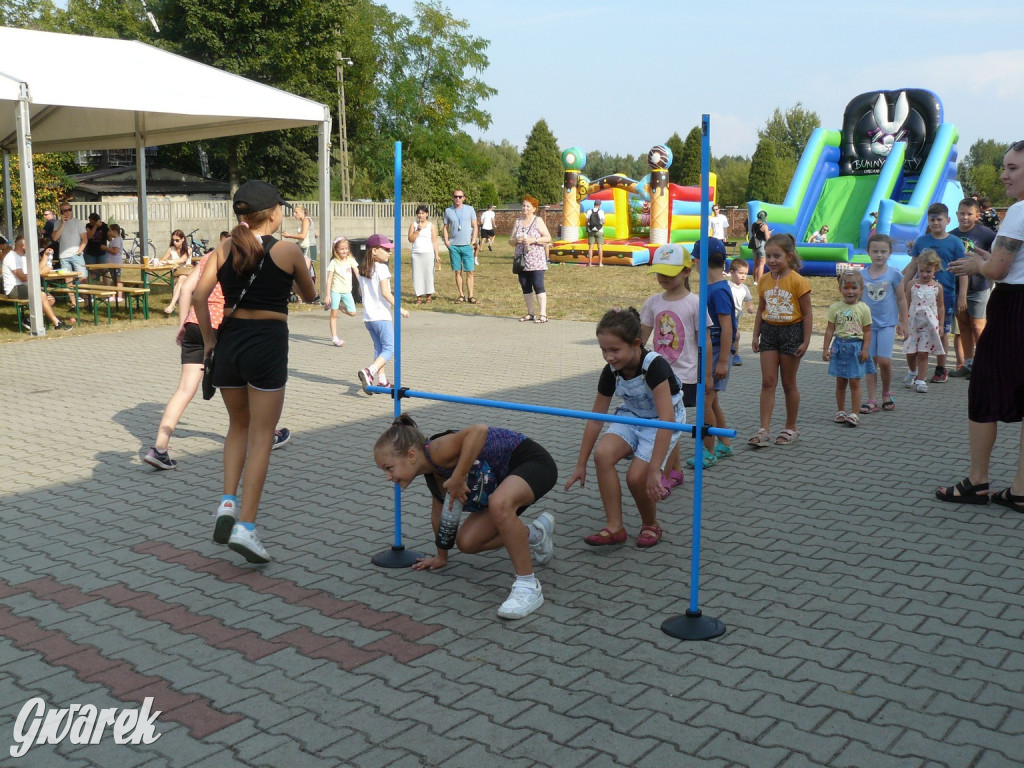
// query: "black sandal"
[[471, 299], [1007, 498], [966, 493]]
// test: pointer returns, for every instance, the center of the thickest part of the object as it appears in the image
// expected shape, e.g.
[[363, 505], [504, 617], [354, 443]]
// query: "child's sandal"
[[760, 439], [888, 404], [649, 536], [871, 406]]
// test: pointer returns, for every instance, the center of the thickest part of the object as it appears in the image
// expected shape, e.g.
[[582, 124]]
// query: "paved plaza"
[[868, 625]]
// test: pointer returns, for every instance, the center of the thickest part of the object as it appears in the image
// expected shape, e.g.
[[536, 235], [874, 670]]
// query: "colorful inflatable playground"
[[639, 215], [893, 157]]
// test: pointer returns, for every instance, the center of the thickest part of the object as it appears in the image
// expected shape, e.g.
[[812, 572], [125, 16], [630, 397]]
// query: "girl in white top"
[[375, 283], [302, 236], [425, 255], [339, 285]]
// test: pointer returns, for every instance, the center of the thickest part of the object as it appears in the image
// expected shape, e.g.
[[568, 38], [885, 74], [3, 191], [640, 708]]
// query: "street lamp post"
[[346, 182]]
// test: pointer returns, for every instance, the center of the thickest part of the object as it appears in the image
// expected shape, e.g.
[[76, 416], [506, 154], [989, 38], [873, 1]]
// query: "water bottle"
[[451, 516]]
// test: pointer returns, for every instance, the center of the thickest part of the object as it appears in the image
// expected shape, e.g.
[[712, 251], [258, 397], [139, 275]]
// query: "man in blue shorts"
[[460, 234]]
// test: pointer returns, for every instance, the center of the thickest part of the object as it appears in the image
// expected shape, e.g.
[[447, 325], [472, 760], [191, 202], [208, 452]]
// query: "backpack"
[[594, 221], [755, 236]]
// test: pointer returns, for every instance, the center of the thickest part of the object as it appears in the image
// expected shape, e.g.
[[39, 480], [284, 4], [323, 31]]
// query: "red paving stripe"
[[89, 665], [318, 600]]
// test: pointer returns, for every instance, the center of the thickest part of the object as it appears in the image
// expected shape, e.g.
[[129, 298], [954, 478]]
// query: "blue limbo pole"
[[397, 556], [694, 625]]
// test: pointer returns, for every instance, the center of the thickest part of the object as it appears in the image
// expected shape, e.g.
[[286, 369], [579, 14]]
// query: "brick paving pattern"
[[867, 624]]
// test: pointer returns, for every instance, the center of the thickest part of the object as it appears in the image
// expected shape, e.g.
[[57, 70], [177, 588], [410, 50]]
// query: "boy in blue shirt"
[[949, 249], [722, 309]]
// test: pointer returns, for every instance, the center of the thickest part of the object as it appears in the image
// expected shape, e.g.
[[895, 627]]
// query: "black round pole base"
[[396, 557], [693, 626]]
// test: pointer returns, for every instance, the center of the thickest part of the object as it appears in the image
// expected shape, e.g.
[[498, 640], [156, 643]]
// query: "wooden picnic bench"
[[20, 306]]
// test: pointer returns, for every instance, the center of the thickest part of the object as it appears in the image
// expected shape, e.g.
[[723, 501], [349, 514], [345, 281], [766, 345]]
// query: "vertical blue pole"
[[398, 320], [698, 475]]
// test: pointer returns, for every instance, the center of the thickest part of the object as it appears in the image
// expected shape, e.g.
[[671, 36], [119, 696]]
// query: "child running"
[[738, 269], [847, 345], [782, 332], [497, 474], [925, 296], [673, 318], [649, 390], [887, 301], [375, 285], [339, 284]]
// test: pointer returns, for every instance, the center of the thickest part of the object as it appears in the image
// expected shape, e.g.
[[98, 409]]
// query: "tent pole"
[[28, 213], [325, 250], [140, 172], [8, 210]]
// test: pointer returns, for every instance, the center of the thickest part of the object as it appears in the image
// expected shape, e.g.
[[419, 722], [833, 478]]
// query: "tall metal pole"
[[346, 182]]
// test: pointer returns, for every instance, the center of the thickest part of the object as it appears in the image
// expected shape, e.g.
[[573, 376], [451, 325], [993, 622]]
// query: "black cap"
[[255, 196]]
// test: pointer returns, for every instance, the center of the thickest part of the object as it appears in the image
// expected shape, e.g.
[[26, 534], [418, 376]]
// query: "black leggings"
[[532, 281]]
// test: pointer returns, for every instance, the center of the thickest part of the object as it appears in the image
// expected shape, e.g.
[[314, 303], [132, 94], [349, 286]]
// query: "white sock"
[[529, 581]]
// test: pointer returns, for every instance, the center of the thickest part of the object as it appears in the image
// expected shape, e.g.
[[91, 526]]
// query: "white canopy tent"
[[65, 92]]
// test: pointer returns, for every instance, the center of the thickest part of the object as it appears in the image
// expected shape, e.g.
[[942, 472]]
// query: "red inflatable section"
[[675, 191]]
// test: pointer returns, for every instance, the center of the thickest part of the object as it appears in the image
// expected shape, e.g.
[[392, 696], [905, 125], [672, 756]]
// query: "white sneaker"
[[226, 514], [920, 386], [908, 380], [247, 543], [545, 548], [365, 379], [521, 602]]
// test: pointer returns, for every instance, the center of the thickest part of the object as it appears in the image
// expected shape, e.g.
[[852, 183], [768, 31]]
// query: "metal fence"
[[210, 217]]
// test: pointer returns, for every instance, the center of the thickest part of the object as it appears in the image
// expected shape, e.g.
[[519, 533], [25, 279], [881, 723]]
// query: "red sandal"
[[649, 536], [604, 537]]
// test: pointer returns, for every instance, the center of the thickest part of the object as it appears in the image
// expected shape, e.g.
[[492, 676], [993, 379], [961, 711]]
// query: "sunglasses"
[[458, 197], [1017, 146]]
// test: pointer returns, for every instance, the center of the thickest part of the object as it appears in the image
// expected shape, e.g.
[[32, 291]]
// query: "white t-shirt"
[[719, 224], [1013, 227], [487, 220], [424, 242], [740, 295], [12, 261], [71, 236], [674, 334], [117, 257], [375, 307]]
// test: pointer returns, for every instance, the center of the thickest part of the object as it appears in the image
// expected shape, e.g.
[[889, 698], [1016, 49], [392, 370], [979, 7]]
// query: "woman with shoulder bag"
[[529, 236], [256, 273]]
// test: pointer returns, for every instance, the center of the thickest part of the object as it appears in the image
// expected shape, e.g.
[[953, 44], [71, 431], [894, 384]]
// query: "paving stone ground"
[[867, 624]]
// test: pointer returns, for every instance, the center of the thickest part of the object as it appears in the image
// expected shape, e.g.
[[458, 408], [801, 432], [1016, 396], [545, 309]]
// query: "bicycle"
[[132, 253], [198, 249]]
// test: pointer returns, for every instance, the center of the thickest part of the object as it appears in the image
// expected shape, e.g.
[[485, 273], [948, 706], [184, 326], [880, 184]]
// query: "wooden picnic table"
[[146, 272]]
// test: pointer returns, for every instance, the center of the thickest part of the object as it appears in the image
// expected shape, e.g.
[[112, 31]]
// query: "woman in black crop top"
[[256, 273]]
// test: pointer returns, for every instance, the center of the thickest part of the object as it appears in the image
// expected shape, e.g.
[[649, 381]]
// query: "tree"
[[51, 180], [733, 172], [689, 159], [675, 144], [540, 171], [789, 131], [980, 169], [764, 182]]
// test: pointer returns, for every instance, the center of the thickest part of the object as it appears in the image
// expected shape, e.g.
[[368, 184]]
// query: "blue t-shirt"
[[978, 237], [949, 249], [460, 224], [720, 302], [880, 296]]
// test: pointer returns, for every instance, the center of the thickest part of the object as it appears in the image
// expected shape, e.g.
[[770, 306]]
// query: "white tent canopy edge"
[[148, 97]]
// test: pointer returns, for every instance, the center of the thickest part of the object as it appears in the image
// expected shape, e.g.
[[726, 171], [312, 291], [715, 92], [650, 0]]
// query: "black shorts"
[[486, 233], [996, 389], [689, 394], [531, 461], [192, 345], [251, 353], [784, 339]]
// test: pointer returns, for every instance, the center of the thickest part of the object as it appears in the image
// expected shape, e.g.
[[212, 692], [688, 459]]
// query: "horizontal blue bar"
[[589, 415]]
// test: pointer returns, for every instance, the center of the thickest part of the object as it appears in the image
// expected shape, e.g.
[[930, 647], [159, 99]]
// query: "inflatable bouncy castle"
[[894, 157], [639, 215]]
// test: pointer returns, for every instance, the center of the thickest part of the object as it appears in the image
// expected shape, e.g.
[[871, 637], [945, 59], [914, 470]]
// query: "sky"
[[620, 77]]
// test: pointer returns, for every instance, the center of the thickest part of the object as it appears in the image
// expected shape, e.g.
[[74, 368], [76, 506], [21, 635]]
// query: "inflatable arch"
[[639, 215]]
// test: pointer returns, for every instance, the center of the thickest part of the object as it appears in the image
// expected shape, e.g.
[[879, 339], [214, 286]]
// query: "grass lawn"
[[574, 293]]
